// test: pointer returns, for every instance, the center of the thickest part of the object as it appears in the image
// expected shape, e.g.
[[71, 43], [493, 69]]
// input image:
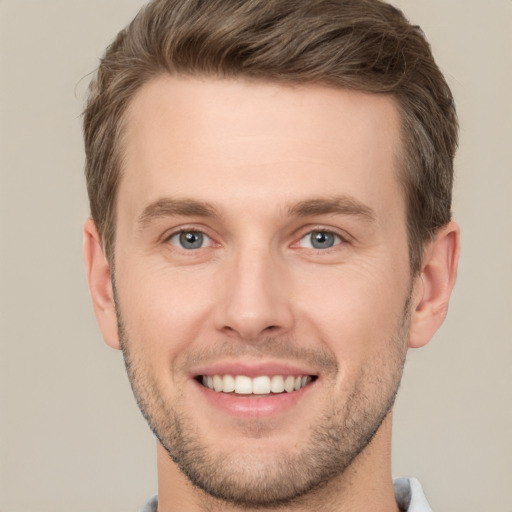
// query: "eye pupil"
[[191, 240], [322, 239]]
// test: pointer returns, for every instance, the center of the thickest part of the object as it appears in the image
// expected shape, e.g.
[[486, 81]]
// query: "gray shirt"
[[408, 493]]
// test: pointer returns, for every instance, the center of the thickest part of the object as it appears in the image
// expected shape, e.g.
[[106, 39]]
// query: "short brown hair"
[[365, 45]]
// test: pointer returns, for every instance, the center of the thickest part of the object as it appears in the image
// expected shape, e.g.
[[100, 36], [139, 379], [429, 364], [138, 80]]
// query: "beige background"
[[71, 437]]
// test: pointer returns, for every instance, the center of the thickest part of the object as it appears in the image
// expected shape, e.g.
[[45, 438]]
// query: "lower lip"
[[251, 406]]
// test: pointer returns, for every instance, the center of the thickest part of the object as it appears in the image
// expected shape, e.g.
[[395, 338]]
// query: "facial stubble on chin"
[[339, 435]]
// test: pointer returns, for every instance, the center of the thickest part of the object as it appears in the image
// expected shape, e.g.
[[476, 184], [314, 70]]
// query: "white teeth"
[[243, 385], [217, 383], [261, 385], [277, 384], [289, 384], [228, 383]]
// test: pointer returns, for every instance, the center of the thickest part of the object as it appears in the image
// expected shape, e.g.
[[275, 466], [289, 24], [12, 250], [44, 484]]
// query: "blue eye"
[[320, 240], [190, 240]]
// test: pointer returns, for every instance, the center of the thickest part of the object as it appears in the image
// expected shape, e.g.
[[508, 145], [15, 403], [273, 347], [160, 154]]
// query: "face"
[[262, 278]]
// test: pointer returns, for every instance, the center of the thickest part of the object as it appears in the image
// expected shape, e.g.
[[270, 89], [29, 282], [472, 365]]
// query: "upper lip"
[[253, 369]]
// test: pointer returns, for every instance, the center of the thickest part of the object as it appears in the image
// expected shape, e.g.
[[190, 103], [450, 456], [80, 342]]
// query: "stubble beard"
[[337, 438]]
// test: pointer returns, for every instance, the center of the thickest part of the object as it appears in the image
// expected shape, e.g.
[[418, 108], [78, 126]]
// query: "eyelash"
[[341, 239], [184, 230]]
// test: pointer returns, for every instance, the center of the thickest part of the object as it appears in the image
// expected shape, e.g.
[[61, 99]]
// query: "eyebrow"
[[339, 205], [168, 207]]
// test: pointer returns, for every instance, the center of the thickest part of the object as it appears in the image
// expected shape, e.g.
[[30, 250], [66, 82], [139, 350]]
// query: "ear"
[[100, 284], [434, 285]]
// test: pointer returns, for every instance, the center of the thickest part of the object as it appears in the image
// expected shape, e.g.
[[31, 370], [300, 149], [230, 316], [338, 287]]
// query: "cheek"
[[165, 310], [356, 311]]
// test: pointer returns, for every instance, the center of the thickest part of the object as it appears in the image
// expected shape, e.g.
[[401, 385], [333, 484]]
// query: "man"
[[270, 188]]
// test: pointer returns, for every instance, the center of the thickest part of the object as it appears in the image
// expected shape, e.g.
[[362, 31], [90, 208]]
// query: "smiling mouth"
[[261, 385]]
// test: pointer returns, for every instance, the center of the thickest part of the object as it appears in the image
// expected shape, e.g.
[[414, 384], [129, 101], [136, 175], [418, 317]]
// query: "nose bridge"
[[255, 298]]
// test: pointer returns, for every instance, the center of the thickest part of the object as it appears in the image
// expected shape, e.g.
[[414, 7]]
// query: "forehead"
[[236, 140]]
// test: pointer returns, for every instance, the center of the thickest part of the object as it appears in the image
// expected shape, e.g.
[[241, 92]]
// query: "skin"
[[265, 166]]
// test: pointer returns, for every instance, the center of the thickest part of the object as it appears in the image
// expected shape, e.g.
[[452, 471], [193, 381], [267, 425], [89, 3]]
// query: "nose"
[[255, 299]]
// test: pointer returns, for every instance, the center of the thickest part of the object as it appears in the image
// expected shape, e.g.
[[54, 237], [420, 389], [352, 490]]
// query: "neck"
[[365, 485]]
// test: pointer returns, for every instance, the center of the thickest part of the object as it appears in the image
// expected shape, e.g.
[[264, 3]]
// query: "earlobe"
[[100, 284], [434, 285]]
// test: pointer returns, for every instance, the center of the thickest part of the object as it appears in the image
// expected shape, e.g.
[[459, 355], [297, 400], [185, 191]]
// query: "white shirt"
[[409, 495]]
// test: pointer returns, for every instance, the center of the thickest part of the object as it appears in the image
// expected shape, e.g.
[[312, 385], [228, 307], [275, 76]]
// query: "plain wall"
[[71, 436]]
